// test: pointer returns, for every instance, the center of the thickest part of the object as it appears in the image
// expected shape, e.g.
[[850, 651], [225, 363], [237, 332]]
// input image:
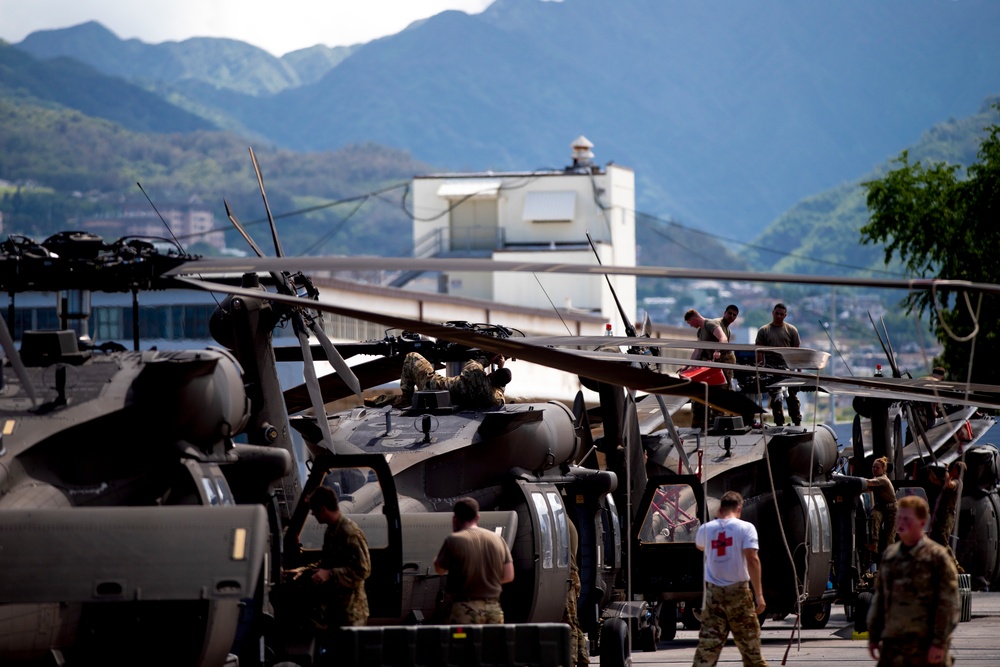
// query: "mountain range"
[[731, 112]]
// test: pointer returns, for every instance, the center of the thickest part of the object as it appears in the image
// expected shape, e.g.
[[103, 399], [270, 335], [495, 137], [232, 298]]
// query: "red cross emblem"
[[720, 544]]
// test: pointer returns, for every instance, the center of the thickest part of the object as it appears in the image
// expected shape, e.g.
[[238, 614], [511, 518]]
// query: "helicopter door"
[[666, 563], [541, 557], [367, 494]]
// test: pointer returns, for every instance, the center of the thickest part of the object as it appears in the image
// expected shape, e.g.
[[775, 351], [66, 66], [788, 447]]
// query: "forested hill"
[[58, 165], [729, 111], [820, 233], [69, 83]]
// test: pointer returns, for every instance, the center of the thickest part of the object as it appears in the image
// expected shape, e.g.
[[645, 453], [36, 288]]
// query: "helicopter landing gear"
[[816, 616], [615, 650], [668, 621]]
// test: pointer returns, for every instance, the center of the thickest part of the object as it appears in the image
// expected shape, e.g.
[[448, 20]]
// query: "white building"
[[539, 216]]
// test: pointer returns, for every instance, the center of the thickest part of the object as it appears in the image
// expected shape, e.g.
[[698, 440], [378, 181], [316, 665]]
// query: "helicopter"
[[81, 461]]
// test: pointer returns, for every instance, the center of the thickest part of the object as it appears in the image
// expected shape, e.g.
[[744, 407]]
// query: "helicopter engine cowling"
[[198, 395], [805, 455]]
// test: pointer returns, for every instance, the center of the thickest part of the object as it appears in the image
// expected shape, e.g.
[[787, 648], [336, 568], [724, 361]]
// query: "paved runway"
[[976, 644]]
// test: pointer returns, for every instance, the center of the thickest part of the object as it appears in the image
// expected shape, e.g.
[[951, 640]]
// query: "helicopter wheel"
[[668, 621], [816, 616], [615, 650]]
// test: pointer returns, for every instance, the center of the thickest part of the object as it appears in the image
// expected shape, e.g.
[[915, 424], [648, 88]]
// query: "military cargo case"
[[508, 645]]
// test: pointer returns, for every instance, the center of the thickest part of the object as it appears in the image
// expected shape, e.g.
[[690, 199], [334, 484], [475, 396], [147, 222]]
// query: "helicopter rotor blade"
[[359, 263], [332, 386], [602, 371], [335, 358], [270, 218], [242, 230]]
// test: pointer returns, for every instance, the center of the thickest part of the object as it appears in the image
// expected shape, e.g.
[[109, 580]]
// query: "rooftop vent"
[[583, 157]]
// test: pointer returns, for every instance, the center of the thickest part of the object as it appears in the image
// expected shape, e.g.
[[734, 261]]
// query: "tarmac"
[[976, 642]]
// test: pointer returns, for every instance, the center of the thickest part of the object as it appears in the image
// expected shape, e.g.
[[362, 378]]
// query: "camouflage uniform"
[[883, 510], [579, 648], [472, 388], [476, 612], [943, 522], [728, 608], [916, 604], [345, 553]]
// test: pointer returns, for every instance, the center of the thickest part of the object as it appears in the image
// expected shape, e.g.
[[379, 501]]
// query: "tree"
[[942, 223]]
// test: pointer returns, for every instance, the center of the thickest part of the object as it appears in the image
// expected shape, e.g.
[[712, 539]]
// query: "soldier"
[[579, 650], [915, 607], [477, 562], [943, 521], [883, 505], [340, 574], [472, 388], [731, 561], [778, 333]]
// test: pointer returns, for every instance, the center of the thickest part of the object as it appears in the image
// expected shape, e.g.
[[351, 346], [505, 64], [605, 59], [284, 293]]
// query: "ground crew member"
[[472, 388], [915, 607], [731, 563], [342, 569], [883, 505], [778, 333], [946, 505], [477, 562], [579, 649]]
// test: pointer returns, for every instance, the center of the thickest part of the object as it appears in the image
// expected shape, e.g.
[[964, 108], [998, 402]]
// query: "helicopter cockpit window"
[[612, 541], [562, 532], [671, 516], [359, 493], [216, 491], [820, 533], [544, 528]]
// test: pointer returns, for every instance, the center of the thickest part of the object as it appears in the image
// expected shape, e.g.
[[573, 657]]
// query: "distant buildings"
[[189, 221]]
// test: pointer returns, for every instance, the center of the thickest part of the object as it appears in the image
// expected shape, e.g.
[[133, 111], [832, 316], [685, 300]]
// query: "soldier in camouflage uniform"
[[478, 563], [883, 518], [731, 562], [915, 607], [579, 649], [339, 577], [946, 505], [473, 388]]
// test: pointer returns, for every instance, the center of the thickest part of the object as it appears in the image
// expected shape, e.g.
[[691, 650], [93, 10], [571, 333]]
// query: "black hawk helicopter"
[[149, 501]]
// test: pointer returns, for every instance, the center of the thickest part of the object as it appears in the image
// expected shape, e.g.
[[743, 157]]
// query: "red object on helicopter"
[[713, 376]]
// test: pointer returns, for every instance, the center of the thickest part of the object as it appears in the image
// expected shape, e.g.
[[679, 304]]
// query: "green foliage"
[[940, 224], [90, 166]]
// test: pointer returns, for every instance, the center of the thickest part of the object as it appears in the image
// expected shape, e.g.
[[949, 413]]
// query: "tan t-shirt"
[[474, 558]]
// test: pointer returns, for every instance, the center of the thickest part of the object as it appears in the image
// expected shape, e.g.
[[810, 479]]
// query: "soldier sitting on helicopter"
[[473, 387]]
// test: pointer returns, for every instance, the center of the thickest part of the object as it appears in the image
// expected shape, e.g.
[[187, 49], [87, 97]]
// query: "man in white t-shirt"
[[731, 566]]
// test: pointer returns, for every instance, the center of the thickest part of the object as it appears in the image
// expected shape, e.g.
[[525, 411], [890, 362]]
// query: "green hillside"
[[820, 234], [61, 165]]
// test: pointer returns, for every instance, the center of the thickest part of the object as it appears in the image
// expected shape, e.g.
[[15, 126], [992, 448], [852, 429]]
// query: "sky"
[[275, 26]]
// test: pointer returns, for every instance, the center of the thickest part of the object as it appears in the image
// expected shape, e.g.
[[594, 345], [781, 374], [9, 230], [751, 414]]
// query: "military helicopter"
[[190, 522]]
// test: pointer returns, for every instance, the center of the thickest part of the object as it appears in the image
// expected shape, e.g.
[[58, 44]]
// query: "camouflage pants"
[[794, 407], [729, 608], [883, 517], [728, 358], [472, 388], [907, 654], [941, 530], [476, 612], [578, 648]]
